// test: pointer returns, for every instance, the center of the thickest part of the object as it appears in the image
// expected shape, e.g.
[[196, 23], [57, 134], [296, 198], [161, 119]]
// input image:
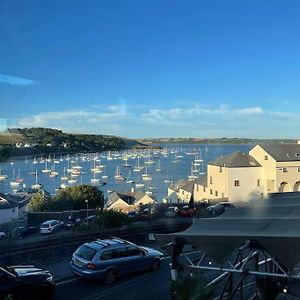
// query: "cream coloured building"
[[235, 177], [280, 166], [268, 168]]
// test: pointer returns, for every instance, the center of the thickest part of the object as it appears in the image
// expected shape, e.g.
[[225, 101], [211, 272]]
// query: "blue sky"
[[152, 68]]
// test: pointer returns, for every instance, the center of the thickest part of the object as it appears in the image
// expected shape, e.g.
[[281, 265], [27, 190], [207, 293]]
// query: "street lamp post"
[[87, 209]]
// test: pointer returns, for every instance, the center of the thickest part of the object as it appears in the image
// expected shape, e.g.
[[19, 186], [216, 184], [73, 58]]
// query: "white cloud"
[[14, 81], [182, 113]]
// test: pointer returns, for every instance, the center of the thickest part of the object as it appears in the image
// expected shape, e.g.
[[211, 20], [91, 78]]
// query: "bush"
[[112, 218], [190, 288]]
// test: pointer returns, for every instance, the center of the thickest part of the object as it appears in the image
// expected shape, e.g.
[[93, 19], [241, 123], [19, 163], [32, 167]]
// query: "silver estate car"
[[109, 258], [51, 226]]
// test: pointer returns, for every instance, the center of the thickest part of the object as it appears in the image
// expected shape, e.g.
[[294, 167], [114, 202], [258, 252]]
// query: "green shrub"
[[191, 288]]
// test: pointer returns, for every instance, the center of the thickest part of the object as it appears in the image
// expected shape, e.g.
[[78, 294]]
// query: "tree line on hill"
[[44, 141]]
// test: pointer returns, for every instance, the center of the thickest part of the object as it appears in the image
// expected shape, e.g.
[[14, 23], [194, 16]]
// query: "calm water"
[[171, 170]]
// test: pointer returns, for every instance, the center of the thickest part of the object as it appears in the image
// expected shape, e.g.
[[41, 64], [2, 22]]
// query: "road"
[[146, 285]]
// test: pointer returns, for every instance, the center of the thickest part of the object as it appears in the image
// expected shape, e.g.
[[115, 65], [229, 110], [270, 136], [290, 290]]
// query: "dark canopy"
[[275, 224]]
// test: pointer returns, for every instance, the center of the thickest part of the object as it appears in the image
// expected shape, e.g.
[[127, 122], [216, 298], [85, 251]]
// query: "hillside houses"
[[126, 202]]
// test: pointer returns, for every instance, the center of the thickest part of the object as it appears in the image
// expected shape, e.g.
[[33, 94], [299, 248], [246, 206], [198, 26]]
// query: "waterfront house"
[[183, 191], [126, 202], [268, 168], [280, 166]]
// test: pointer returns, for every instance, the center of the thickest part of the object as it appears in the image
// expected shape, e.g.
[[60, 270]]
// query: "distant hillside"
[[34, 141], [151, 141]]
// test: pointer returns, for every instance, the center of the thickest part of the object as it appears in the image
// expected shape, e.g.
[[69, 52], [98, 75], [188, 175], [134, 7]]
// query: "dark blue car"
[[109, 258]]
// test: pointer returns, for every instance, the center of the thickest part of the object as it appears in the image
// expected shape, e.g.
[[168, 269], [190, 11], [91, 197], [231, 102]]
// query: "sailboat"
[[192, 176], [137, 167], [167, 180], [149, 161], [46, 170], [53, 173], [36, 185], [2, 176], [64, 177], [95, 180], [104, 176], [14, 183], [146, 176], [198, 160], [158, 168], [129, 178], [118, 175]]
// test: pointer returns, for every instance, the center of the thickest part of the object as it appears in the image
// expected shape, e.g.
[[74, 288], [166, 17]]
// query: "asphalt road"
[[145, 285]]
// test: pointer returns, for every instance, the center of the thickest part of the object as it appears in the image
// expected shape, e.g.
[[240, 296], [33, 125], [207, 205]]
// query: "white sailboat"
[[167, 180], [158, 168], [64, 177], [14, 183], [104, 176], [53, 173], [137, 167], [146, 176], [192, 176], [2, 176], [36, 185], [129, 178], [46, 170], [118, 175], [95, 180]]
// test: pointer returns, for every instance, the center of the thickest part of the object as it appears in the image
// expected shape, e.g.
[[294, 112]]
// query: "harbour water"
[[170, 164]]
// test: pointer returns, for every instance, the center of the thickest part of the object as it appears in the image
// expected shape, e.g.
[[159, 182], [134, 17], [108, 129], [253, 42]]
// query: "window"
[[119, 253], [221, 170], [258, 182], [204, 189], [85, 252], [216, 193], [284, 170], [236, 183], [211, 192], [266, 157], [299, 169], [197, 188], [105, 255], [210, 179], [133, 251]]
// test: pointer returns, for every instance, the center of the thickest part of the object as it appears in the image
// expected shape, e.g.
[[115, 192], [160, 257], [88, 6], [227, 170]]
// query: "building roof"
[[201, 180], [186, 185], [283, 152], [130, 197], [236, 160]]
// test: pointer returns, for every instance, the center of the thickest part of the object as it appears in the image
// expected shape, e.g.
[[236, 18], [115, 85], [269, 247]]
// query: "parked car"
[[26, 231], [171, 211], [2, 235], [26, 282], [90, 219], [186, 211], [219, 208], [51, 226], [70, 224], [109, 258]]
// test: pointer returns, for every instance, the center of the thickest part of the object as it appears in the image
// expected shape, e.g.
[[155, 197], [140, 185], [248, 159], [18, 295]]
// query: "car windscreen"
[[85, 252], [45, 226]]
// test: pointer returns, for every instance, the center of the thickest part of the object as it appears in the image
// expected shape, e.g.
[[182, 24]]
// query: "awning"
[[275, 227]]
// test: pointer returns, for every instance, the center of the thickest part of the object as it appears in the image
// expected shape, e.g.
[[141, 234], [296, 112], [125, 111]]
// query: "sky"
[[152, 68]]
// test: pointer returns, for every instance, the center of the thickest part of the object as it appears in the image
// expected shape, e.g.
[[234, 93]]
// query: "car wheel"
[[110, 276], [155, 264]]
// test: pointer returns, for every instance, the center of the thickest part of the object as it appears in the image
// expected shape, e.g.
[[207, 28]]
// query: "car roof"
[[50, 221], [107, 243]]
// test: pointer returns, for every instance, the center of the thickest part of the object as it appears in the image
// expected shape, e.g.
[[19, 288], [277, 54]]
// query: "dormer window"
[[284, 170], [266, 157]]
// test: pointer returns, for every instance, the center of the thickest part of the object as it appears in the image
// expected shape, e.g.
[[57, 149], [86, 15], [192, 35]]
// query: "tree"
[[74, 198], [40, 202]]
